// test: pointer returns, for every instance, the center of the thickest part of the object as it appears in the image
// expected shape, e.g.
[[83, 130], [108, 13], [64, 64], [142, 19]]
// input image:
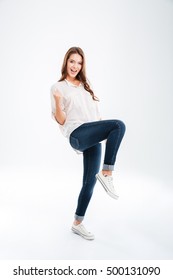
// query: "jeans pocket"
[[74, 142]]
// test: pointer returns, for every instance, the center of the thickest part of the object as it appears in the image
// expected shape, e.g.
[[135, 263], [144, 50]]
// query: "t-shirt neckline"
[[71, 84]]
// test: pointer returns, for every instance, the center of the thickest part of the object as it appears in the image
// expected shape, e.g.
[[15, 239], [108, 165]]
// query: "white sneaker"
[[107, 183], [81, 230]]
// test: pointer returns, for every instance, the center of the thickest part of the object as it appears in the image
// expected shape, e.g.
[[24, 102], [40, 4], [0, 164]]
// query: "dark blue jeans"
[[86, 138]]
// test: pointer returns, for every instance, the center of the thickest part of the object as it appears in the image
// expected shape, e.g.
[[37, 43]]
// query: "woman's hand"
[[59, 114], [57, 97]]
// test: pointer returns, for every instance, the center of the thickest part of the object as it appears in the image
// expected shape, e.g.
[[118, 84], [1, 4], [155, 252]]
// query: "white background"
[[128, 47]]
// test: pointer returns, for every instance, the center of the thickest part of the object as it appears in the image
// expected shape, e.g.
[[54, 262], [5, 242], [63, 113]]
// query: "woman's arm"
[[59, 114]]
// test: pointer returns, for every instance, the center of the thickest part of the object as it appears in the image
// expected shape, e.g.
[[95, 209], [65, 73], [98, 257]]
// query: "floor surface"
[[36, 208]]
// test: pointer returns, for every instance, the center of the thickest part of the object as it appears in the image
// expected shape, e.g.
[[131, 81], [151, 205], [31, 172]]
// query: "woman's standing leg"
[[91, 165]]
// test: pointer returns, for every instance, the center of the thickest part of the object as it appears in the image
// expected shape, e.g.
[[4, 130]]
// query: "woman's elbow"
[[61, 122]]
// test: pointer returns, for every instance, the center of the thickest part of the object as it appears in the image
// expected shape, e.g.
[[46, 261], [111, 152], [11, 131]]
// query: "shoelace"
[[82, 226], [110, 180]]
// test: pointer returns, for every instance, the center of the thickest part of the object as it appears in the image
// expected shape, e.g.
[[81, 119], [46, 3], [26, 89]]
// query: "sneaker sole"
[[105, 188], [82, 235]]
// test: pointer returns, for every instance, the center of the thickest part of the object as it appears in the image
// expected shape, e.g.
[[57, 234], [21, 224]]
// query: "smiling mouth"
[[73, 71]]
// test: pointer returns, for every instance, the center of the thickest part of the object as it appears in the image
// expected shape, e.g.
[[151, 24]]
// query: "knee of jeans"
[[121, 125], [74, 142]]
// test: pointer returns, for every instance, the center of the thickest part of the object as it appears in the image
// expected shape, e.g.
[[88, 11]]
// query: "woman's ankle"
[[107, 172], [77, 222]]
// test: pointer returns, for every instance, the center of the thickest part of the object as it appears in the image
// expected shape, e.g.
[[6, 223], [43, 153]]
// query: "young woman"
[[75, 108]]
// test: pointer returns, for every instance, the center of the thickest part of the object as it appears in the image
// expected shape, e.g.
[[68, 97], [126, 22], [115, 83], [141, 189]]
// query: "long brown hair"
[[81, 76]]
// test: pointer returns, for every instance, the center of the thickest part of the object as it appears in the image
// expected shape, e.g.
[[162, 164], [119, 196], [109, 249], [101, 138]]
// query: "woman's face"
[[74, 65]]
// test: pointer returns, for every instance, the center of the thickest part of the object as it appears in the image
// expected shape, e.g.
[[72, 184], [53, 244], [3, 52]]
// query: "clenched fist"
[[57, 97]]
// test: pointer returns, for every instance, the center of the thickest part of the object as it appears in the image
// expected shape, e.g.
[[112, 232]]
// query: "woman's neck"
[[73, 81]]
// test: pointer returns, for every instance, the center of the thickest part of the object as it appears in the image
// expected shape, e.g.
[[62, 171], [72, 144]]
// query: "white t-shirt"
[[77, 103]]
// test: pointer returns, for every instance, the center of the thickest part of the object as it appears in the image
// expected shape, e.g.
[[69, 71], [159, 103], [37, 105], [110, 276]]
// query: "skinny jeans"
[[86, 138]]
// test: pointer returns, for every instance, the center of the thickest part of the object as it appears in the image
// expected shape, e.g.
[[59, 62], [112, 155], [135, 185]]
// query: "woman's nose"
[[75, 65]]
